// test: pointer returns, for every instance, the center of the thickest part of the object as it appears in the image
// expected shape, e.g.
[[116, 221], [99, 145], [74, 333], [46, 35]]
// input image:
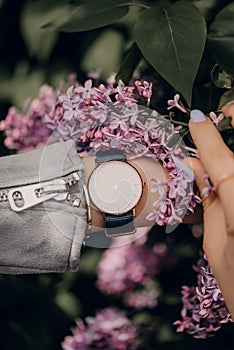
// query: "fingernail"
[[197, 116]]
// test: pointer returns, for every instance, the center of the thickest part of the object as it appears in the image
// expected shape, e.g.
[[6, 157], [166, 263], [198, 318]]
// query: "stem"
[[185, 133], [178, 122]]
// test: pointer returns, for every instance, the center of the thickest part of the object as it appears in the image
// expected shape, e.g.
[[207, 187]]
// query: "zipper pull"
[[21, 198]]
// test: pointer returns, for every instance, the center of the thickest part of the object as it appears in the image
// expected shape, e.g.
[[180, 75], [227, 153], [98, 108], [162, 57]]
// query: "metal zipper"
[[21, 198]]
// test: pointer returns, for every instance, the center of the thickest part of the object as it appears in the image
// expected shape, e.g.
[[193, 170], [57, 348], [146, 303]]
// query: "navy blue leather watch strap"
[[111, 154], [119, 224], [116, 224]]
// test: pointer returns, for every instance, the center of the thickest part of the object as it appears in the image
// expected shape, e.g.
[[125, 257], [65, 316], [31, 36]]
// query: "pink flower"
[[25, 133], [124, 268], [216, 119], [203, 311], [109, 329], [104, 92], [144, 89], [175, 103], [118, 123], [86, 91], [125, 94], [145, 298]]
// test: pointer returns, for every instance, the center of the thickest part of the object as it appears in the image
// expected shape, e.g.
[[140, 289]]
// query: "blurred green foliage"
[[44, 41]]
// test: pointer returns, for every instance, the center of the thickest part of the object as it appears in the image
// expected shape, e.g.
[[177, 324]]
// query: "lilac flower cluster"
[[106, 117], [124, 267], [25, 131], [129, 270], [145, 297], [204, 310], [180, 198], [110, 329]]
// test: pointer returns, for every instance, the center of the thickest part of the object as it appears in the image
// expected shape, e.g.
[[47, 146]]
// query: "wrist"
[[147, 168]]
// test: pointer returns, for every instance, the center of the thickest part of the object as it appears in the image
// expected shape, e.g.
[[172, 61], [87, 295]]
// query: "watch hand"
[[119, 192], [123, 188], [121, 195]]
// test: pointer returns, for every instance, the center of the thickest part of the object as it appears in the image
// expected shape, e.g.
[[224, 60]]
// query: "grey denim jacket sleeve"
[[48, 236]]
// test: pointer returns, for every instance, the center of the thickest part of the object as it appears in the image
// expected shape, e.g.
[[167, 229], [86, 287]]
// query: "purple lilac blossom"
[[103, 117], [110, 329], [122, 269], [208, 188], [25, 131], [146, 297], [175, 103], [204, 310], [216, 119], [129, 271], [197, 230]]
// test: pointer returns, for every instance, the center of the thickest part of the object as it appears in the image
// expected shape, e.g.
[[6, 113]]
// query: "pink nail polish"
[[197, 116]]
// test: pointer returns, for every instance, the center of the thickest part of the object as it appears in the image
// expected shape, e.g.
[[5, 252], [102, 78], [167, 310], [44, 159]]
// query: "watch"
[[115, 187]]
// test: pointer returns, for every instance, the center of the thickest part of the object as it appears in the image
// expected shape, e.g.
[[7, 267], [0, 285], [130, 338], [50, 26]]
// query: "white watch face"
[[115, 187]]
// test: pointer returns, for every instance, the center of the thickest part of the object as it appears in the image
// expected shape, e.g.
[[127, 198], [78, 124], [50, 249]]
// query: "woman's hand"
[[217, 161]]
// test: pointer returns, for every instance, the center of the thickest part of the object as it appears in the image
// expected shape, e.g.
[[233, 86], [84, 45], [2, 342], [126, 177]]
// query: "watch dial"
[[115, 187]]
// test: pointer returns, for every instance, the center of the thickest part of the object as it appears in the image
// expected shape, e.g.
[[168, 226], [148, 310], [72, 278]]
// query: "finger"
[[214, 238], [200, 177], [217, 160], [216, 157], [228, 111]]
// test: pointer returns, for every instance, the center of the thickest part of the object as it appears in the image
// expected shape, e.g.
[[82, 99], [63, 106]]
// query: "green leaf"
[[172, 40], [129, 64], [89, 14], [221, 38], [22, 84], [95, 59], [209, 8], [39, 42], [89, 262], [69, 303]]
